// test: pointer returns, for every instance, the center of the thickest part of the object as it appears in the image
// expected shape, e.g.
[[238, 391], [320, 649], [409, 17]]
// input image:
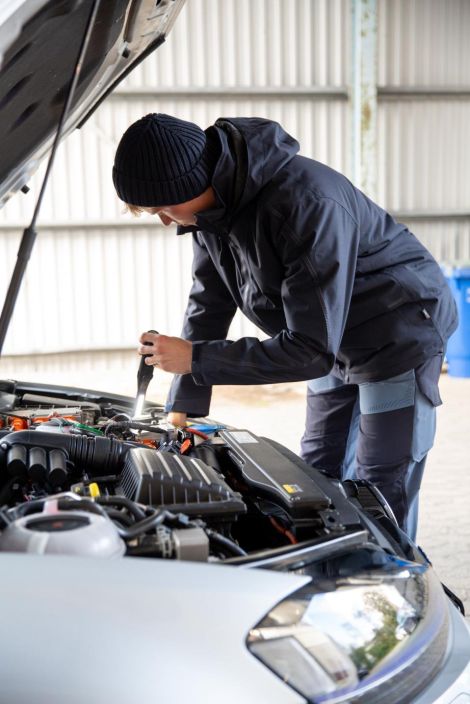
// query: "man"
[[349, 298]]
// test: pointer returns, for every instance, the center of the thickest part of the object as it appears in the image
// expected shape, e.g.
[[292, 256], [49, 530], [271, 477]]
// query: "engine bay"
[[79, 475]]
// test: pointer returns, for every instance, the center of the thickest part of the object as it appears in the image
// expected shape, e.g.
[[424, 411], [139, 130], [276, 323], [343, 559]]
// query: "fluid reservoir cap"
[[52, 524], [63, 533]]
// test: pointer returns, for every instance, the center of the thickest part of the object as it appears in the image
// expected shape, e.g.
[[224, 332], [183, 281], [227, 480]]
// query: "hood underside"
[[39, 44]]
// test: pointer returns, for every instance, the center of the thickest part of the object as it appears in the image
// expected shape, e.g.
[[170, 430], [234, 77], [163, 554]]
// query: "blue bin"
[[458, 347]]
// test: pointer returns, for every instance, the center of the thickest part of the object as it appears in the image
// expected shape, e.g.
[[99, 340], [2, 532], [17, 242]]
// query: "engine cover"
[[285, 480], [179, 484]]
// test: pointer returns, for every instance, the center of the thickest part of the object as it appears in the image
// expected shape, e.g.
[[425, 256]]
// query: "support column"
[[364, 96]]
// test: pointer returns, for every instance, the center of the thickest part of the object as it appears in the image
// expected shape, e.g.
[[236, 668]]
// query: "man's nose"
[[165, 219]]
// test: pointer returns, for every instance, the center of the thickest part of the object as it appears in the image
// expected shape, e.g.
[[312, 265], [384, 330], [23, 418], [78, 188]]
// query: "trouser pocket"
[[427, 398]]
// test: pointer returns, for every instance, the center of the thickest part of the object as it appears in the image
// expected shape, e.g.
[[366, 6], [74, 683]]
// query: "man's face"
[[181, 214], [184, 213]]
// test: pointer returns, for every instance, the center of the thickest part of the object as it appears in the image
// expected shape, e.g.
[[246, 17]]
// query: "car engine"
[[79, 475]]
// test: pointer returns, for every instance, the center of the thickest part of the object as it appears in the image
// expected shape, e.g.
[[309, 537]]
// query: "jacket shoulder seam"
[[285, 218], [323, 197]]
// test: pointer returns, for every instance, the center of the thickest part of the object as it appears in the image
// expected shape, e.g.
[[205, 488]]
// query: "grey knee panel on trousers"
[[389, 445]]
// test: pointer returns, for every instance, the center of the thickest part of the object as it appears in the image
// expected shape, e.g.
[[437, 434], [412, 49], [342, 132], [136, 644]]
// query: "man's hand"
[[177, 418], [172, 354]]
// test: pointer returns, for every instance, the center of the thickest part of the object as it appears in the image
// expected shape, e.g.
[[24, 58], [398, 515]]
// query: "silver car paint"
[[93, 631]]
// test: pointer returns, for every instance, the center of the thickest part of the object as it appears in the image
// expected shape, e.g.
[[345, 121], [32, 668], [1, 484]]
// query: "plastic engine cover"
[[270, 472], [179, 484]]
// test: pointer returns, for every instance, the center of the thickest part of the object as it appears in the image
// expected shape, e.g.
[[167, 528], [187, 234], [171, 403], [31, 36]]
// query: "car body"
[[150, 563]]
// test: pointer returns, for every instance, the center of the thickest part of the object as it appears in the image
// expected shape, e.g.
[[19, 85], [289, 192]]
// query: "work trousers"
[[380, 431]]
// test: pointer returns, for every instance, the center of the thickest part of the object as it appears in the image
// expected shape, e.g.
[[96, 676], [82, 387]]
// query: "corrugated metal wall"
[[424, 43], [97, 277], [424, 118]]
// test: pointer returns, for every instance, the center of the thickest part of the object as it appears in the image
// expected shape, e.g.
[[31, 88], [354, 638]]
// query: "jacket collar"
[[216, 220]]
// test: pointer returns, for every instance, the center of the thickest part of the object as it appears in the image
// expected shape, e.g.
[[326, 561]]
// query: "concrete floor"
[[277, 411]]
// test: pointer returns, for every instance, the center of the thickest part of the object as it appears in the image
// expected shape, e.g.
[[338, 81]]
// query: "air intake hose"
[[96, 456]]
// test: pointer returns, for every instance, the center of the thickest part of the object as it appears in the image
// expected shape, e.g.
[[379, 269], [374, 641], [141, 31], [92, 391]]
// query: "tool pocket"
[[427, 398]]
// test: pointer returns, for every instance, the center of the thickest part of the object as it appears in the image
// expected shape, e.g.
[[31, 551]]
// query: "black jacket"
[[334, 281]]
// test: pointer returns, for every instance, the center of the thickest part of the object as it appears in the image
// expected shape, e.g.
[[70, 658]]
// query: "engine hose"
[[118, 516], [122, 502], [142, 526], [64, 504], [95, 455], [124, 425], [156, 518], [222, 541]]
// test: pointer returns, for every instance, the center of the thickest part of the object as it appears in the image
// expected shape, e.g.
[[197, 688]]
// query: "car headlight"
[[375, 637]]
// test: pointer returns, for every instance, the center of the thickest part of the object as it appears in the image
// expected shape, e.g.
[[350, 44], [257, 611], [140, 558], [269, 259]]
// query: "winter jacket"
[[333, 279]]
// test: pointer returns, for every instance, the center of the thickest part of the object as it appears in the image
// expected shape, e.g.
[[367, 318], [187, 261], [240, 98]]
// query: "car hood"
[[39, 44], [120, 630]]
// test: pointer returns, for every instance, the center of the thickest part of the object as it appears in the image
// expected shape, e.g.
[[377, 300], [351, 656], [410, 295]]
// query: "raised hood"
[[39, 45]]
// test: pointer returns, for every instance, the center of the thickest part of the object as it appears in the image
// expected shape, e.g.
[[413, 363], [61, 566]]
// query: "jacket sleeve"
[[209, 312], [318, 247]]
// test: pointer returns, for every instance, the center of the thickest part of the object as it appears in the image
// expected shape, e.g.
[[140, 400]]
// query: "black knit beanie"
[[162, 160]]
